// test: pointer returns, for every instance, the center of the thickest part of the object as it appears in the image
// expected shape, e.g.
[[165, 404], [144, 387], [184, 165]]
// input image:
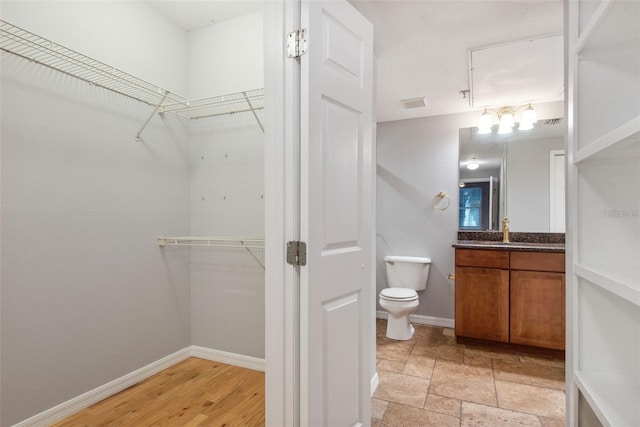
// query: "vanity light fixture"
[[506, 119], [473, 164]]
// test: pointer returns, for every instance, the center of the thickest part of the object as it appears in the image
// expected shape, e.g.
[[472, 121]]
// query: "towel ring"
[[439, 197]]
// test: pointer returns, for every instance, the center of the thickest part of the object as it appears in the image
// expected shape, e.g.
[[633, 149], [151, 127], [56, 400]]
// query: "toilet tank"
[[407, 272]]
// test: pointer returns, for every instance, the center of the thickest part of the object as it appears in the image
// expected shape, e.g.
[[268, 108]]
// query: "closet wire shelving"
[[246, 243], [39, 50], [32, 47]]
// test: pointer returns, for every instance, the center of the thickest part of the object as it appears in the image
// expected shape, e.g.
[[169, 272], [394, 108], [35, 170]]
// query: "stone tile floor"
[[431, 380]]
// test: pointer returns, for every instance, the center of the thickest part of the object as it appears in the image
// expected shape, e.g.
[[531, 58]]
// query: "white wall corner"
[[229, 358], [422, 320], [87, 399]]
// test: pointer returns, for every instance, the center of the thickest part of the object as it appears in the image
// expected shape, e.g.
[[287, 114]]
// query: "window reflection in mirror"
[[478, 204]]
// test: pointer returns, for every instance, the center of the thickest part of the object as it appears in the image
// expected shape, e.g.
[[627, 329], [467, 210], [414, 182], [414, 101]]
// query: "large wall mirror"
[[519, 175]]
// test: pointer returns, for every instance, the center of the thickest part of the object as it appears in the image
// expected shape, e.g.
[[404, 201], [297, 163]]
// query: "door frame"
[[556, 222], [282, 216]]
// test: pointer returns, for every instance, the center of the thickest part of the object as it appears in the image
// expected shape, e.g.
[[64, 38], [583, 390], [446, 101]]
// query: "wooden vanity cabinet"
[[482, 294], [511, 296], [537, 299]]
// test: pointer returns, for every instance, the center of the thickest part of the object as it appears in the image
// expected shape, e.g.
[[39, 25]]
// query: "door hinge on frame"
[[297, 43], [296, 253]]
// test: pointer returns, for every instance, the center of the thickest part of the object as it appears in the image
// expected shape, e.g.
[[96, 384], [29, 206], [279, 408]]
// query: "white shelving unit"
[[603, 262], [32, 47]]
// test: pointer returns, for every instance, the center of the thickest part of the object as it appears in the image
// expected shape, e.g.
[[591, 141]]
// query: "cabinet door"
[[537, 309], [482, 303]]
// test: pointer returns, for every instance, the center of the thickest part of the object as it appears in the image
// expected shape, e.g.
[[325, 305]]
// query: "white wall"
[[227, 57], [87, 295], [417, 159], [227, 181], [528, 183]]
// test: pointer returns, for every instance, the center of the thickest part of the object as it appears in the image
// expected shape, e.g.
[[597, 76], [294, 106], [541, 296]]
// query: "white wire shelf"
[[213, 241], [32, 47], [219, 105], [248, 244], [233, 103]]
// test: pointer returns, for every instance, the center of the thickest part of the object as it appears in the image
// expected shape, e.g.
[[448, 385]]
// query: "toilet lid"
[[399, 294]]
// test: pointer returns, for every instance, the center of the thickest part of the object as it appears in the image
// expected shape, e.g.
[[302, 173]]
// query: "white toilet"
[[405, 276]]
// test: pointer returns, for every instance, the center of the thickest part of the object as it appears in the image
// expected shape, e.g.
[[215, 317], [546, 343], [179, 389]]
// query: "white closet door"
[[337, 184]]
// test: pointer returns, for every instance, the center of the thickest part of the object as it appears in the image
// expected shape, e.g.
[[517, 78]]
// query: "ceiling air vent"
[[551, 122], [414, 102]]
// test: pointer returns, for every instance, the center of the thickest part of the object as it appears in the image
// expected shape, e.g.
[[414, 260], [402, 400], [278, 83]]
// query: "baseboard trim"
[[87, 399], [422, 320], [375, 381], [229, 358], [70, 407]]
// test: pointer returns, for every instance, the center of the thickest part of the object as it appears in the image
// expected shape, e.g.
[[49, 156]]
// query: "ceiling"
[[422, 46], [194, 14]]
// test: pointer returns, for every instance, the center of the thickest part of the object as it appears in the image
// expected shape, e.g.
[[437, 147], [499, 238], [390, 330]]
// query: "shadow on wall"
[[409, 192], [382, 249]]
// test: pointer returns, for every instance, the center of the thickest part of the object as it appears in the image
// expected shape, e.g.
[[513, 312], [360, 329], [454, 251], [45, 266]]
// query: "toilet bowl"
[[405, 276]]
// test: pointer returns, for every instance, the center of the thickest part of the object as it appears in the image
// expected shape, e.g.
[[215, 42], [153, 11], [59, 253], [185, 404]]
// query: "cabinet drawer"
[[482, 258], [537, 261]]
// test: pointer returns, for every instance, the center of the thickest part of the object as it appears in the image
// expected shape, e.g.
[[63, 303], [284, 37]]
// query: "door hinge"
[[296, 253], [297, 43]]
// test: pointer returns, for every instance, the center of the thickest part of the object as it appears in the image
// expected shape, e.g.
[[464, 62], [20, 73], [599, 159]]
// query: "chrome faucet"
[[505, 230]]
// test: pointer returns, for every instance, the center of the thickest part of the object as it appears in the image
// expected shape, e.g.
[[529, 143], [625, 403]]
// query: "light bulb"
[[506, 119], [529, 115], [484, 130], [504, 129], [485, 120], [473, 164], [525, 125]]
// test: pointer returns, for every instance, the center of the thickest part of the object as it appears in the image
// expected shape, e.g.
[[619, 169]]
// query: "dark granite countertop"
[[511, 246], [514, 236]]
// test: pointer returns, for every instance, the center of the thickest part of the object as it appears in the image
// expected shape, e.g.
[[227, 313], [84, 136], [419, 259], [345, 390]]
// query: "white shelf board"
[[622, 141], [605, 393], [622, 282], [614, 23]]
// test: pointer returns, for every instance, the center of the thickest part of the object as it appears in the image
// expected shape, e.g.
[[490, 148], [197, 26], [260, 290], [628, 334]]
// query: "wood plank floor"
[[194, 392]]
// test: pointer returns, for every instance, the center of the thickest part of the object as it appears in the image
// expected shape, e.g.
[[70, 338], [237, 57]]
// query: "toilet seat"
[[398, 294]]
